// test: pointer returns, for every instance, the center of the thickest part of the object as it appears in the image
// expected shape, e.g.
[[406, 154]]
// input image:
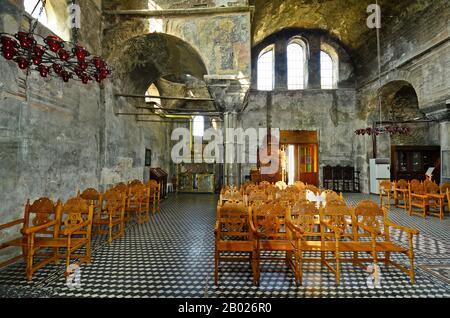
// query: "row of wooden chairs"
[[330, 229], [51, 231], [416, 197], [249, 193]]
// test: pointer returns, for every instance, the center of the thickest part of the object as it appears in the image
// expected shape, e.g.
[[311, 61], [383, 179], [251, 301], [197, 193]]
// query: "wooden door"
[[306, 154]]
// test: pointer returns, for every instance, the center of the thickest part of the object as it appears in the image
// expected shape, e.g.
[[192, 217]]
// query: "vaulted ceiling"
[[345, 19]]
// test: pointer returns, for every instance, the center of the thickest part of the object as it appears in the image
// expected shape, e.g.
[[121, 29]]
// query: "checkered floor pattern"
[[172, 256]]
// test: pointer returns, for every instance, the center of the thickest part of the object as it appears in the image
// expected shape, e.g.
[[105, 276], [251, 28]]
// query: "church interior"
[[225, 148]]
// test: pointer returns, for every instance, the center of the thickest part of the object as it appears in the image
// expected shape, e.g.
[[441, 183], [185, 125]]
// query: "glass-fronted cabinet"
[[411, 162]]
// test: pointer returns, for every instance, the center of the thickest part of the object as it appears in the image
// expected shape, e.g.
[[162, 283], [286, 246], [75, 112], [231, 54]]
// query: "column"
[[314, 63]]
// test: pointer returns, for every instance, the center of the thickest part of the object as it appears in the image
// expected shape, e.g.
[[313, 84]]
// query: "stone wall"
[[57, 138], [415, 50]]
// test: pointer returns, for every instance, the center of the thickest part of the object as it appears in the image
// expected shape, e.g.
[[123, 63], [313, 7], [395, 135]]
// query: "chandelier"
[[51, 56], [393, 129]]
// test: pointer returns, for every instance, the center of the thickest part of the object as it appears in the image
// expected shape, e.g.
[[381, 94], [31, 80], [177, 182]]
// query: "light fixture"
[[51, 55]]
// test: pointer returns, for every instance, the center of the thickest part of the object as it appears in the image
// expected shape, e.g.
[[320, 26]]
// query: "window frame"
[[331, 52], [303, 44], [267, 49]]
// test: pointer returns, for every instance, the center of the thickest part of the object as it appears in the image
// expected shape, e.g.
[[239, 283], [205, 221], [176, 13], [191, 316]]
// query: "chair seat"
[[237, 246], [58, 242], [276, 245], [351, 246]]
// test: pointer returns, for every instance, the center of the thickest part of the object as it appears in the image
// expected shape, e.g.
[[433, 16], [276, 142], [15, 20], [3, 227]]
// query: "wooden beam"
[[181, 12], [179, 109], [192, 99]]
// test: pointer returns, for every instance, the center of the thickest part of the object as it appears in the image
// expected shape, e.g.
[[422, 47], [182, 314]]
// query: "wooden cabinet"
[[411, 162]]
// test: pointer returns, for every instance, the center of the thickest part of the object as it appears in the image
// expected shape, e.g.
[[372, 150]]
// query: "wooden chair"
[[137, 204], [300, 185], [374, 221], [121, 187], [337, 234], [256, 196], [401, 192], [154, 196], [39, 219], [327, 177], [271, 192], [338, 178], [435, 199], [264, 184], [134, 182], [417, 199], [304, 233], [348, 175], [386, 190], [444, 188], [96, 197], [230, 195], [72, 232], [286, 199], [312, 188], [332, 196], [448, 198], [267, 221], [112, 215], [232, 234]]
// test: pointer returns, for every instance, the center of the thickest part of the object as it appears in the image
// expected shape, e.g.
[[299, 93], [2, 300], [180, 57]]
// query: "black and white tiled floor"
[[172, 256]]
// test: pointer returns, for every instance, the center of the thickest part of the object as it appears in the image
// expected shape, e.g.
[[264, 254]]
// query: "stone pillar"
[[230, 166], [280, 63], [444, 130], [314, 63]]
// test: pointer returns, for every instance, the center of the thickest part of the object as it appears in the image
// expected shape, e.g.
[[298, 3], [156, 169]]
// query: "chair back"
[[114, 203], [327, 173], [300, 185], [417, 188], [445, 187], [385, 186], [369, 214], [269, 220], [232, 218], [134, 182], [431, 188], [337, 214], [257, 195], [41, 211], [303, 214], [401, 184], [313, 189], [75, 212]]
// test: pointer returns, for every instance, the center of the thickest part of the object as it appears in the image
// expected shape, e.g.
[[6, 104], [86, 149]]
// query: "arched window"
[[54, 16], [296, 65], [153, 101], [266, 70], [31, 5], [198, 126], [326, 70], [329, 67]]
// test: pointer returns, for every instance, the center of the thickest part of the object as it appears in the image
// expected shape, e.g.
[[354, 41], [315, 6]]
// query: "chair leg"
[[30, 254], [300, 268], [110, 234]]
